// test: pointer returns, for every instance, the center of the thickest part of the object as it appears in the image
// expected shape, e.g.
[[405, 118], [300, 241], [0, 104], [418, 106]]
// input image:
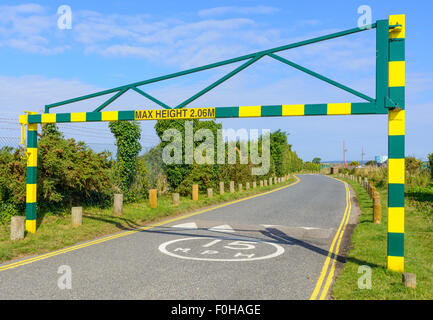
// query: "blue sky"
[[112, 43]]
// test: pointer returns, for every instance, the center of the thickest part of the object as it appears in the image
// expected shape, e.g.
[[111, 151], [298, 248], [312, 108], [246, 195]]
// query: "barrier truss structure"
[[389, 100]]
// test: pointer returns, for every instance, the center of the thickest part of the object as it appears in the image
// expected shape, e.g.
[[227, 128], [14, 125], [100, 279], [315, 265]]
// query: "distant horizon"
[[364, 161]]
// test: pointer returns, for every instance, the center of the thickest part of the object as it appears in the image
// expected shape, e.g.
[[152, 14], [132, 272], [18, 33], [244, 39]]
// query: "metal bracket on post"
[[391, 104], [24, 122]]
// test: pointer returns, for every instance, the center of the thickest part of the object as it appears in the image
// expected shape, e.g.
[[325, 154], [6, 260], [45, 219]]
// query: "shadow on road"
[[272, 235], [130, 224]]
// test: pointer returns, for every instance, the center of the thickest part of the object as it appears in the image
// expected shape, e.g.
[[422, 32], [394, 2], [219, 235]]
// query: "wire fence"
[[96, 136], [14, 142]]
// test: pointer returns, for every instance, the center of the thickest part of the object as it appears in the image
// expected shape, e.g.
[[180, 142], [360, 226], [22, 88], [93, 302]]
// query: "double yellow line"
[[333, 254], [126, 233]]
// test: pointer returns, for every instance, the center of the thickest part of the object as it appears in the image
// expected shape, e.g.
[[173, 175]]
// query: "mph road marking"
[[211, 249]]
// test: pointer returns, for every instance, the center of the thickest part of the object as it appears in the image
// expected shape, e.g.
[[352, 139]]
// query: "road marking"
[[133, 231], [211, 243], [331, 272], [337, 239], [233, 246], [188, 225], [222, 228]]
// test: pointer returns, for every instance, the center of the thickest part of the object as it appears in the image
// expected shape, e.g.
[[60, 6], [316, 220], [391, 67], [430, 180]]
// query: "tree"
[[177, 173], [127, 134], [354, 163], [430, 160], [317, 160], [278, 141]]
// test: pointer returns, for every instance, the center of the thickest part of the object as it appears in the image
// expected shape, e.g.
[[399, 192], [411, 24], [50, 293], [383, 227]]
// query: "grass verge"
[[368, 247], [56, 232]]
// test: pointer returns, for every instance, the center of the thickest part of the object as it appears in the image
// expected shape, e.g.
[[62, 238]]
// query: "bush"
[[412, 164], [7, 211], [68, 173], [379, 176], [204, 175], [310, 166]]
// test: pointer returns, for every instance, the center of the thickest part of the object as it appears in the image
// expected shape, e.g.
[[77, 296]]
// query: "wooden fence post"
[[175, 197], [372, 191], [17, 227], [221, 187], [77, 216], [409, 280], [377, 208], [118, 204], [153, 198], [195, 192]]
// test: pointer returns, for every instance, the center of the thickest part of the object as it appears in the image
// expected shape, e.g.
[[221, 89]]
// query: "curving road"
[[272, 246]]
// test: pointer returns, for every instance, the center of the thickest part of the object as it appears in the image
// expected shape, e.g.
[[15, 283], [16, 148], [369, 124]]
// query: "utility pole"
[[362, 156], [344, 153]]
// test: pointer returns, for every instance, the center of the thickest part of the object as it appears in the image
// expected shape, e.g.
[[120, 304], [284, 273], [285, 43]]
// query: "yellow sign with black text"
[[170, 114]]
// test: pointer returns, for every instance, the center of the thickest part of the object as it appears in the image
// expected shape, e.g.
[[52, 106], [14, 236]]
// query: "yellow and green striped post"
[[396, 145], [32, 165]]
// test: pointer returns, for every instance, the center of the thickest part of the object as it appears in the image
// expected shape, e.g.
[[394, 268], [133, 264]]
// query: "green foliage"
[[292, 163], [127, 134], [421, 198], [68, 173], [317, 160], [310, 166], [278, 142], [152, 161], [177, 173], [283, 159], [140, 185], [371, 163], [430, 161], [7, 211], [180, 177], [354, 163], [204, 175], [412, 164], [12, 179]]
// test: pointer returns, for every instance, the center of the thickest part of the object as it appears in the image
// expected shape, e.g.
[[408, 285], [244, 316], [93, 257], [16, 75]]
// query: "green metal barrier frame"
[[390, 99]]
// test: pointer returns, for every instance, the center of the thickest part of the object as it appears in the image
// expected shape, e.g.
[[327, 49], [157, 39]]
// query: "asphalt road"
[[268, 247]]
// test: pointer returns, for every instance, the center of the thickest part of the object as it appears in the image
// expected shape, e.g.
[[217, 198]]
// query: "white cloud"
[[27, 28], [184, 44], [175, 42]]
